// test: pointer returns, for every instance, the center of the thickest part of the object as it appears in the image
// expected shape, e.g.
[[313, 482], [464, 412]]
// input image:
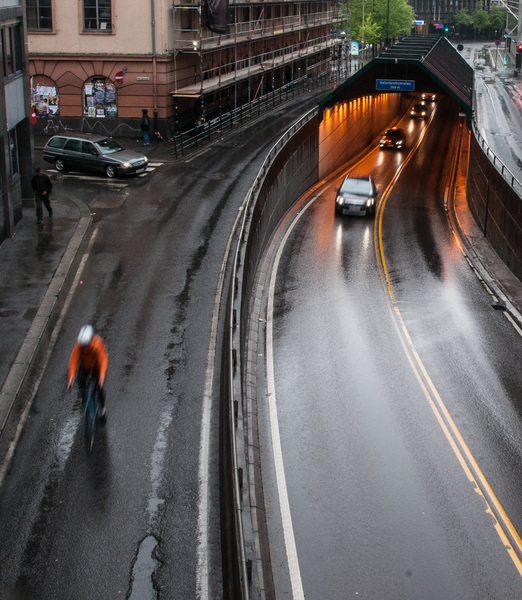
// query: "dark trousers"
[[83, 379], [46, 200]]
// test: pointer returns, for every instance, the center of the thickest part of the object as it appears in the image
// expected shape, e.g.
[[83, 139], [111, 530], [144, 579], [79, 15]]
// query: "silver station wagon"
[[84, 152]]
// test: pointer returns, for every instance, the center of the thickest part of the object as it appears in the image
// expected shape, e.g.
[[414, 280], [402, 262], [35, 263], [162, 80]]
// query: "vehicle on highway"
[[356, 196], [429, 96], [85, 152], [418, 110], [393, 138]]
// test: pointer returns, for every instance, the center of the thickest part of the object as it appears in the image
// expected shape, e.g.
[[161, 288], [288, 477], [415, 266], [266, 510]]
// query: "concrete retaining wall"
[[494, 198]]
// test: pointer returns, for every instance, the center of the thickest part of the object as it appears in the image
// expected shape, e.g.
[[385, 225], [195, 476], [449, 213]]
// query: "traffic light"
[[519, 48]]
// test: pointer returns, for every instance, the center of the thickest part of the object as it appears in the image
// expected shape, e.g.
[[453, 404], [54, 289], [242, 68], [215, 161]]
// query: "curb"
[[18, 372]]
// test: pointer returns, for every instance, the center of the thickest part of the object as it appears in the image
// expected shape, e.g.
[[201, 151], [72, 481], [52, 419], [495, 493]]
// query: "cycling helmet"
[[85, 335]]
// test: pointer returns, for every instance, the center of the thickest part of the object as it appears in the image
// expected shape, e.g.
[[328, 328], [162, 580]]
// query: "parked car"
[[429, 96], [418, 110], [393, 138], [97, 153], [356, 196]]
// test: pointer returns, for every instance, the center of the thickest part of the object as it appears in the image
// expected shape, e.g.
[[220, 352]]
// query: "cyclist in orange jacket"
[[89, 357]]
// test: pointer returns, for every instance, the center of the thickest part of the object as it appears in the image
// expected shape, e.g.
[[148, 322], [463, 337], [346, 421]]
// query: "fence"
[[495, 200], [192, 139]]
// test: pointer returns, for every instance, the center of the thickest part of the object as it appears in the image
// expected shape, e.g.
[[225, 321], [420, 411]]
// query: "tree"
[[497, 17], [372, 32], [399, 22], [463, 18], [480, 19], [396, 21], [343, 13]]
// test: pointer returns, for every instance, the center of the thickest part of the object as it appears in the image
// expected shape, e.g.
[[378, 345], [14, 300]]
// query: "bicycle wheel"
[[91, 412]]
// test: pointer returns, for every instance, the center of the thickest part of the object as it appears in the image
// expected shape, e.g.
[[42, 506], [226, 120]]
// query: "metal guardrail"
[[235, 336], [515, 183]]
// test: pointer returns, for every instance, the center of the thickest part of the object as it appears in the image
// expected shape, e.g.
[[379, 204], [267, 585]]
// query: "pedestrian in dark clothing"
[[42, 188], [145, 125]]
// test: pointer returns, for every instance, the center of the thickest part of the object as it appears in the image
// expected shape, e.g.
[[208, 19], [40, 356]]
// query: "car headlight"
[[126, 165], [369, 202], [339, 200]]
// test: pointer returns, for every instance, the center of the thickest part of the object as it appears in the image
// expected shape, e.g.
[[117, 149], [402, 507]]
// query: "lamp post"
[[362, 29], [388, 24]]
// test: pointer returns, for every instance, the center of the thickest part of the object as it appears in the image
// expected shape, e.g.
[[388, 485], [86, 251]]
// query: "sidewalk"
[[34, 265]]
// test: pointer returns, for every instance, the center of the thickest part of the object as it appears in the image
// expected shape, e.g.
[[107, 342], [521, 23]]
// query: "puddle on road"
[[144, 567]]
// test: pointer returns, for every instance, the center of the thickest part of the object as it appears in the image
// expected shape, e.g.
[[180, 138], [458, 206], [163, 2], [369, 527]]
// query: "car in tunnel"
[[356, 196], [393, 138], [418, 110], [429, 96]]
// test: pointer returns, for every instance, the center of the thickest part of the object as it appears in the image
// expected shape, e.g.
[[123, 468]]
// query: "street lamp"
[[362, 28], [388, 24]]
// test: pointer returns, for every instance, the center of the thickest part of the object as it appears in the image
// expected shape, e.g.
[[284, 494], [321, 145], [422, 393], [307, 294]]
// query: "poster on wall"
[[45, 101], [100, 99]]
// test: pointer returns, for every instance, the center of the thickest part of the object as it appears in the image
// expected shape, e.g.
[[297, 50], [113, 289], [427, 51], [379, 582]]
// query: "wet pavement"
[[36, 261], [34, 266]]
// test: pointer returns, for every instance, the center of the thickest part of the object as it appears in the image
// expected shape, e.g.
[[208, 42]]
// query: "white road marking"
[[282, 490]]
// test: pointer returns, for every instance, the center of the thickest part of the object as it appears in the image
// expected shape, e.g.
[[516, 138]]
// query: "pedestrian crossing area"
[[117, 182]]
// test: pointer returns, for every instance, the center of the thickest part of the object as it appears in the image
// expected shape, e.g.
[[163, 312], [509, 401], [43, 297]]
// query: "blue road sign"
[[395, 85]]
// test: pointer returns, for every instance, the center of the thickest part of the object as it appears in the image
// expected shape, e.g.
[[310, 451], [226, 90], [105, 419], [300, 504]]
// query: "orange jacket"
[[93, 357]]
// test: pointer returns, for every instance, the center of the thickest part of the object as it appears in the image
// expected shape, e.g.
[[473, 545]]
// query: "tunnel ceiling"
[[430, 61]]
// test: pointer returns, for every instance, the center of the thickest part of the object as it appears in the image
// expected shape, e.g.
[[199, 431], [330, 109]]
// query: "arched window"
[[44, 96], [99, 98]]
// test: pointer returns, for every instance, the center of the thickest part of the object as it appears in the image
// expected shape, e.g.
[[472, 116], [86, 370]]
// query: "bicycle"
[[91, 412]]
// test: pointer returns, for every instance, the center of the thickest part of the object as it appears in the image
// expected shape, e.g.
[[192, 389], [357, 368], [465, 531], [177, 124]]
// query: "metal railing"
[[200, 135], [515, 183], [236, 334]]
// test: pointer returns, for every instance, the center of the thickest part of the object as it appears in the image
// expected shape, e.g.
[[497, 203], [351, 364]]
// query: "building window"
[[11, 38], [39, 15], [99, 98], [45, 99], [97, 15]]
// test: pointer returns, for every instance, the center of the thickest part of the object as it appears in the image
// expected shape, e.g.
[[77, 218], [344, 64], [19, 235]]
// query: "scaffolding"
[[264, 42]]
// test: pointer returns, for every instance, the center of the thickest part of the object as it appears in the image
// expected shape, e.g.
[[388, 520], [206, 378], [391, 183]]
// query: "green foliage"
[[497, 18], [480, 19], [401, 17], [372, 31], [463, 18]]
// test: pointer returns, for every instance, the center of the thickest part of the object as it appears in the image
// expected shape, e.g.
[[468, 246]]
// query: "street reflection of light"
[[367, 238], [338, 245], [381, 158], [411, 126]]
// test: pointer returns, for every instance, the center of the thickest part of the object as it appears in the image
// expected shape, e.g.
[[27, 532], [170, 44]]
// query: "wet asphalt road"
[[396, 396], [139, 518]]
